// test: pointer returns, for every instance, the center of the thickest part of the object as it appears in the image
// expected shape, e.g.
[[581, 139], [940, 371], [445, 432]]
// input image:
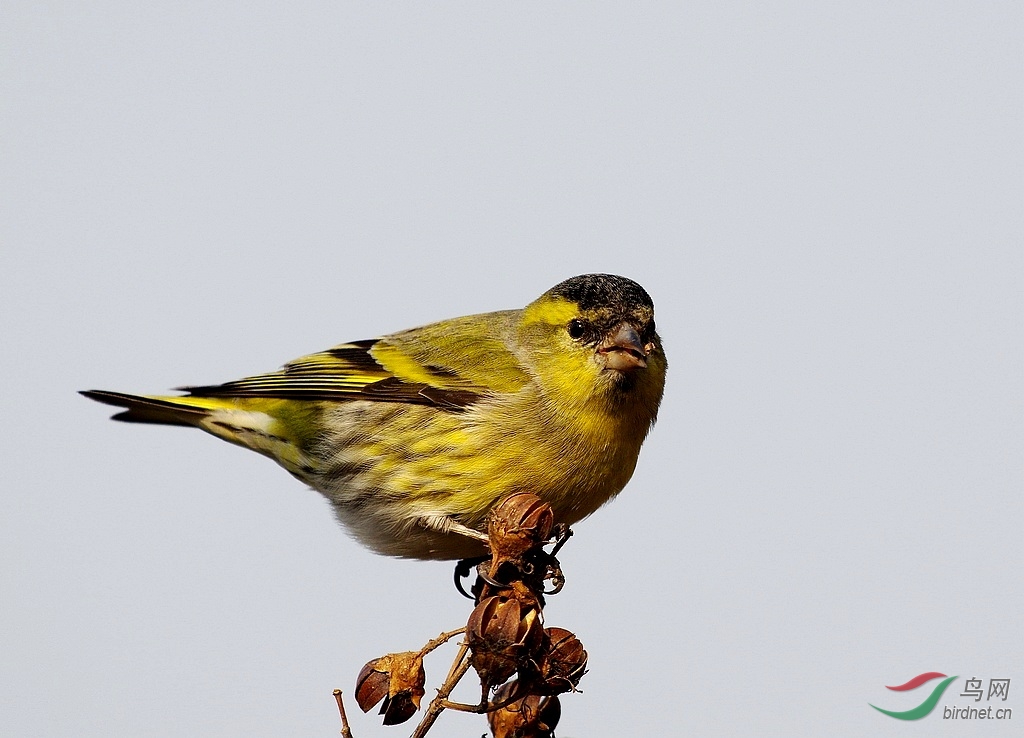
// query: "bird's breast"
[[575, 460]]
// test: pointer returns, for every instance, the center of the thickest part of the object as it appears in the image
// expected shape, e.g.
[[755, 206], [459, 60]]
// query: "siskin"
[[415, 436]]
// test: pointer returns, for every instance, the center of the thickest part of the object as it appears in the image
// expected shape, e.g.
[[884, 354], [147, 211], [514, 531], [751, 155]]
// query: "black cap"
[[591, 291]]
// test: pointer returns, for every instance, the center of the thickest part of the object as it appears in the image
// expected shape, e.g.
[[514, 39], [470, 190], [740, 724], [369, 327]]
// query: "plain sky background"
[[824, 199]]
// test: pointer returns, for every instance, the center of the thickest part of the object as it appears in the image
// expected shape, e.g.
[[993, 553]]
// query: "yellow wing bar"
[[350, 372]]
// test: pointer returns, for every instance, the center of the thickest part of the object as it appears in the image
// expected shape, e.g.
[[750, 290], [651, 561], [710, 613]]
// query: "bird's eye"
[[576, 328]]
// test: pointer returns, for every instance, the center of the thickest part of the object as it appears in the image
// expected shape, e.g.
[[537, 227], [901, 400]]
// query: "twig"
[[346, 731], [463, 650], [441, 640], [459, 668], [463, 707], [485, 705]]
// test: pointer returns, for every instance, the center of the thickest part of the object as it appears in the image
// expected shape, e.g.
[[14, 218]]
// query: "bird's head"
[[592, 338]]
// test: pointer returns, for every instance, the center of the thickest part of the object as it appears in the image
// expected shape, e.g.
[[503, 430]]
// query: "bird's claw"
[[463, 569]]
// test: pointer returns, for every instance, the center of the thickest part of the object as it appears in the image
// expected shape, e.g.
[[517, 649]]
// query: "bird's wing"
[[452, 365]]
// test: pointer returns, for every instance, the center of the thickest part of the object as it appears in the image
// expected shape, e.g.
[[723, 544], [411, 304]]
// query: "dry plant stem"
[[441, 640], [459, 657], [484, 706], [346, 731], [463, 707], [458, 670]]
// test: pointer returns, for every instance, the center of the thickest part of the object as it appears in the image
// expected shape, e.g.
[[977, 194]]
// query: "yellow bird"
[[414, 436]]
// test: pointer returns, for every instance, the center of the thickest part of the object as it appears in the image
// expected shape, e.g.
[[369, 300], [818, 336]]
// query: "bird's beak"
[[623, 350]]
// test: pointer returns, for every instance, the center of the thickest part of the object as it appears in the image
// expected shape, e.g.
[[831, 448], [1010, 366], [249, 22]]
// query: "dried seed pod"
[[518, 523], [563, 665], [502, 633], [533, 716], [396, 678], [372, 683]]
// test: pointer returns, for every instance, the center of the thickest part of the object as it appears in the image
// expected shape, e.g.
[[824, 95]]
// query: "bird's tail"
[[280, 429], [163, 410]]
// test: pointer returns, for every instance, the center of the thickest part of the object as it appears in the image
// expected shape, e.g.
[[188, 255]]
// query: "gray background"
[[824, 201]]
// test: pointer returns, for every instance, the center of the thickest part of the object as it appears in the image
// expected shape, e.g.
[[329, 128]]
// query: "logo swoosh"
[[917, 681], [924, 708]]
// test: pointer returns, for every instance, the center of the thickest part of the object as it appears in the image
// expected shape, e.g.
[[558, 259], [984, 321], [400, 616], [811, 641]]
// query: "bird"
[[414, 436]]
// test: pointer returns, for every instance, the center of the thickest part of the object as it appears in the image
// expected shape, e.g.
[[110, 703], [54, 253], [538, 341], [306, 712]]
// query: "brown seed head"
[[396, 678], [502, 633], [518, 523], [563, 665], [529, 717]]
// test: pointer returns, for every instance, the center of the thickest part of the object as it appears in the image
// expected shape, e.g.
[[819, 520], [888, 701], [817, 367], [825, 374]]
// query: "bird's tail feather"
[[189, 411]]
